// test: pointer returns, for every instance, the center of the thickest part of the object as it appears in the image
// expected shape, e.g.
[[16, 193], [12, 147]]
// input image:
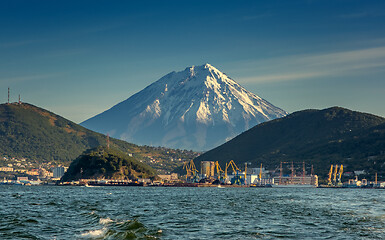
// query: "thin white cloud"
[[8, 80], [346, 57], [280, 77], [344, 63]]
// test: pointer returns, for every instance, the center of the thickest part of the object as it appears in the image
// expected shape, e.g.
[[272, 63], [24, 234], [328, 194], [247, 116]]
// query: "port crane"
[[245, 173], [186, 167], [191, 170], [219, 170], [330, 175], [340, 174], [236, 171], [233, 166], [335, 174]]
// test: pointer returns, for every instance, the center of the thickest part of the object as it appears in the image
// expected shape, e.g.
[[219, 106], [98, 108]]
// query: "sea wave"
[[94, 234], [126, 229], [105, 221]]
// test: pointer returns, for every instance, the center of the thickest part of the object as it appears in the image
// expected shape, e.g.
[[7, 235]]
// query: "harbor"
[[210, 174]]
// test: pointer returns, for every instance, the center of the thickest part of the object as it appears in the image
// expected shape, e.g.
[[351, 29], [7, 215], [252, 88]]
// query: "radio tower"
[[8, 95], [19, 99]]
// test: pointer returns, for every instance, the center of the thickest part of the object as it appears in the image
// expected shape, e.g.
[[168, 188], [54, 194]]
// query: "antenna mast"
[[8, 95], [108, 141]]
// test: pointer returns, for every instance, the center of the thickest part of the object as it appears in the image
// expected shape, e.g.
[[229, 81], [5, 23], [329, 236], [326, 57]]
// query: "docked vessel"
[[306, 181], [293, 186]]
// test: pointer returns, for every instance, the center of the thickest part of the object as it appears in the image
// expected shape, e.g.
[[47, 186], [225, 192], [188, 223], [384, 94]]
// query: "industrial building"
[[58, 172], [296, 180]]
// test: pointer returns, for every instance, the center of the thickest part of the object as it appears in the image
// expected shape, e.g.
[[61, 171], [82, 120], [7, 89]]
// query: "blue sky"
[[79, 58]]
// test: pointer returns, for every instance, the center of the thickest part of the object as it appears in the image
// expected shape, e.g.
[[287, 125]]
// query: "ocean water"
[[53, 212]]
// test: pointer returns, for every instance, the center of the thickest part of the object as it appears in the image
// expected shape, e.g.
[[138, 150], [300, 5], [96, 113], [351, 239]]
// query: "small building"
[[144, 180], [33, 172], [6, 169], [170, 177], [254, 179], [361, 172]]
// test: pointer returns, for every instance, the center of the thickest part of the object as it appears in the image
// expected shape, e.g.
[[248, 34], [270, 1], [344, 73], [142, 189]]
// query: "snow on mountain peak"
[[197, 108]]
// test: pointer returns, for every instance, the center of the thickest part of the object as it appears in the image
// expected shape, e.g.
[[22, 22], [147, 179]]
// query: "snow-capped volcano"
[[198, 108]]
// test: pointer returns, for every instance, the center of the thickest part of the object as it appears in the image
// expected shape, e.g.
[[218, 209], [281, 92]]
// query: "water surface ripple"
[[52, 212]]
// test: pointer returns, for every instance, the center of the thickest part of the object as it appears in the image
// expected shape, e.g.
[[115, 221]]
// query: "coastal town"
[[21, 171]]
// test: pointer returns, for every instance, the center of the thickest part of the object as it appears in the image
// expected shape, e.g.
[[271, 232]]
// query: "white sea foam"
[[105, 221], [94, 233]]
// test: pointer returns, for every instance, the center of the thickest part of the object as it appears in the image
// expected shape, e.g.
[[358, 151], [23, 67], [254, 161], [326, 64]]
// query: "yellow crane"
[[186, 166], [335, 174], [233, 166], [193, 168], [245, 172], [219, 170], [190, 168], [330, 175], [340, 172]]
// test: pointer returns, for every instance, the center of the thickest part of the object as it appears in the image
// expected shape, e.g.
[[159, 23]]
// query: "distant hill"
[[37, 134], [319, 137], [103, 163]]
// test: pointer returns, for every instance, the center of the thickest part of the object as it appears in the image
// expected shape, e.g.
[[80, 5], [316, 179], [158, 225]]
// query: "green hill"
[[27, 131], [319, 137], [103, 163]]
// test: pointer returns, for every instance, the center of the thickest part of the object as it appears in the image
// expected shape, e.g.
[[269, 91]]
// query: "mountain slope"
[[320, 137], [37, 134], [103, 163], [198, 108]]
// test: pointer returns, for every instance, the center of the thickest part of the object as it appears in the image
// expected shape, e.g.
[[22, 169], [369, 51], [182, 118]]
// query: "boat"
[[114, 183], [293, 186], [86, 185], [260, 185]]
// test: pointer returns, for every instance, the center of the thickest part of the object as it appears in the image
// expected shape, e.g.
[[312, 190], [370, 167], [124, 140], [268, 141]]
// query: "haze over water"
[[51, 212]]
